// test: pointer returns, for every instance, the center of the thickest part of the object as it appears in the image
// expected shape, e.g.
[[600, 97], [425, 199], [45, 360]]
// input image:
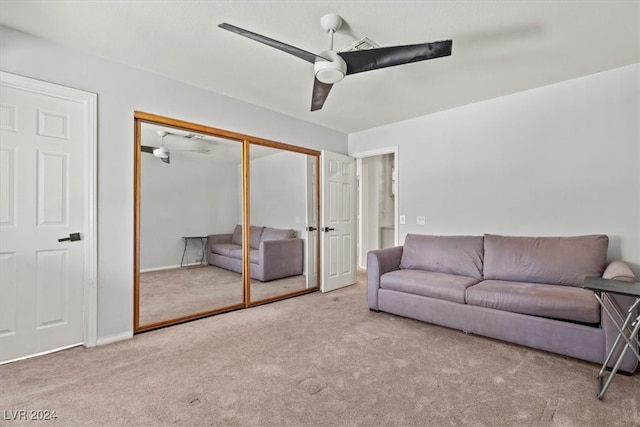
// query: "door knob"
[[311, 229], [327, 229], [72, 237]]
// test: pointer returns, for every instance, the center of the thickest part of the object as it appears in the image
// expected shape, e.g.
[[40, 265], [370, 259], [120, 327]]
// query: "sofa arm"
[[213, 239], [281, 258], [618, 270], [379, 262]]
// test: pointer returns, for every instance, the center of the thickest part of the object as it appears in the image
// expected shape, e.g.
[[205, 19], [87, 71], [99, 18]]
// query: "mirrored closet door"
[[190, 188], [210, 206], [284, 230]]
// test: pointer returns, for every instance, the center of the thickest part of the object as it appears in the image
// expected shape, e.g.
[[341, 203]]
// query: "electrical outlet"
[[421, 220], [402, 219]]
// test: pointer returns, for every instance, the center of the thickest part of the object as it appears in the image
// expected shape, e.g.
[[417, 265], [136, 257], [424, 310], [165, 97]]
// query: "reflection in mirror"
[[283, 204], [190, 203]]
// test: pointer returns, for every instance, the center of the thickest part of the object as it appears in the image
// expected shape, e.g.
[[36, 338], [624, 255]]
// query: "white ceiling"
[[499, 47]]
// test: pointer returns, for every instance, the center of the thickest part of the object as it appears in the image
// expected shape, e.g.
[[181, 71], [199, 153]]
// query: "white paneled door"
[[47, 274], [338, 231]]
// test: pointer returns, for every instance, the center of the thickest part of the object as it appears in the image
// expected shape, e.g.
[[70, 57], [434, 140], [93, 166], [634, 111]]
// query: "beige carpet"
[[315, 360], [177, 292]]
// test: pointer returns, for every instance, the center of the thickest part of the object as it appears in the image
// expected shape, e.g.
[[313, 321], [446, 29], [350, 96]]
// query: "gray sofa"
[[274, 253], [524, 290]]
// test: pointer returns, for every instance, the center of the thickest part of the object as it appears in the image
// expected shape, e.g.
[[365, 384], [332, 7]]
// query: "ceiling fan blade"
[[372, 59], [302, 54], [320, 93]]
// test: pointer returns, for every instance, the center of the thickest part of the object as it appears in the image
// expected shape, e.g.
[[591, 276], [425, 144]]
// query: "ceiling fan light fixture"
[[330, 72], [329, 76], [161, 153]]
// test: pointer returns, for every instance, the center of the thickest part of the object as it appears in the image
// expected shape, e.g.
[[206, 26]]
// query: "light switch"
[[420, 220], [402, 219]]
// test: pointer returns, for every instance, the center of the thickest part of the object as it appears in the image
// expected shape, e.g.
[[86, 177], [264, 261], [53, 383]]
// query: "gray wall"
[[194, 195], [121, 90], [559, 160]]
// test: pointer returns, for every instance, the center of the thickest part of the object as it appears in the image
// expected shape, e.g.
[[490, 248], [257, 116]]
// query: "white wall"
[[121, 90], [194, 195], [559, 160]]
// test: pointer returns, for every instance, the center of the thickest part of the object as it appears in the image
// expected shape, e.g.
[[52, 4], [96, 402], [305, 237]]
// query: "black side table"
[[203, 240], [627, 326]]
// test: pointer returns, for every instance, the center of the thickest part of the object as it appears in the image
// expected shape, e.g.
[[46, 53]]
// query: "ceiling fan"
[[331, 66], [163, 152]]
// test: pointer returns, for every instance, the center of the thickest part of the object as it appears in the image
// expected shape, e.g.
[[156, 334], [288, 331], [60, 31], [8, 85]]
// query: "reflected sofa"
[[274, 253], [525, 290]]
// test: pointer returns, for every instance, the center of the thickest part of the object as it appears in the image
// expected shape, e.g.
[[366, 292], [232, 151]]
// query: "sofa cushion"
[[544, 300], [236, 254], [270, 233], [429, 284], [254, 238], [551, 260], [236, 238], [253, 255], [224, 248], [460, 255]]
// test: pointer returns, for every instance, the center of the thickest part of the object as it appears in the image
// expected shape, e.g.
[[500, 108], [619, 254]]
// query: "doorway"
[[377, 201]]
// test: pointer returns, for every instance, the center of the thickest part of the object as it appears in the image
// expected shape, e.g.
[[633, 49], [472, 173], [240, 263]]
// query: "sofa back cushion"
[[255, 237], [461, 255], [236, 238], [552, 260], [270, 233]]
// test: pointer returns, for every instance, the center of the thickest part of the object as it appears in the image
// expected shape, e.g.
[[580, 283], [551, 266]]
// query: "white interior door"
[[311, 241], [338, 241], [44, 197]]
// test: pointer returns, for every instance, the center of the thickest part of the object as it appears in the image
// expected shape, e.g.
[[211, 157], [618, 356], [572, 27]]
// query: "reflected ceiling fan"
[[331, 66], [163, 152]]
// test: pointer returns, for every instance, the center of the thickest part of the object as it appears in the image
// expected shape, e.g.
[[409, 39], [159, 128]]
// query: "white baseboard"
[[167, 267], [195, 264], [115, 338], [171, 267], [41, 353]]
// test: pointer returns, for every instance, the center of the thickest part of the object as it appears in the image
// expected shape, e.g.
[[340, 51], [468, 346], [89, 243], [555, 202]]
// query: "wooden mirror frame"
[[246, 141]]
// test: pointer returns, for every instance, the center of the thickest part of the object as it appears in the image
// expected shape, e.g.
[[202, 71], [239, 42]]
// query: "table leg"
[[602, 390], [184, 251], [625, 327], [629, 343], [204, 244]]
